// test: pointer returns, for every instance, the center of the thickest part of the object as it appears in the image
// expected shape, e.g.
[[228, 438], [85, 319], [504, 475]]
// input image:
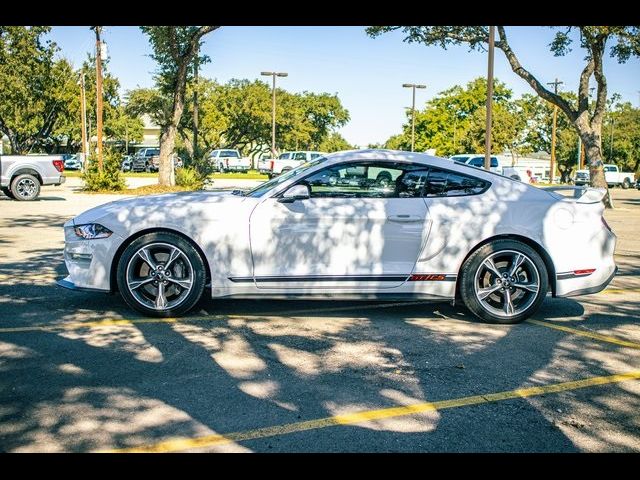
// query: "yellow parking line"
[[583, 333], [179, 444], [620, 290]]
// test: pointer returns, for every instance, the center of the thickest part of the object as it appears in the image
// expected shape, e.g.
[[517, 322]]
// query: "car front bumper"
[[89, 261]]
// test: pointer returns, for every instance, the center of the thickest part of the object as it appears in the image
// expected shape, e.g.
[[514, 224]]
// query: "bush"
[[190, 178], [110, 178]]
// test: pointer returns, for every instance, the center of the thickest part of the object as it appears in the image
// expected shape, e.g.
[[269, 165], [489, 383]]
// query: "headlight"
[[92, 231]]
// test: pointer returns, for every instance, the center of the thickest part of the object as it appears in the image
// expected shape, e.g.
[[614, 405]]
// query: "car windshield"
[[274, 182], [229, 154]]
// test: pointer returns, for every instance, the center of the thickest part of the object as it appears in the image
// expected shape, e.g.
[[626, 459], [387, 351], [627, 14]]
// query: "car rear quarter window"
[[442, 183]]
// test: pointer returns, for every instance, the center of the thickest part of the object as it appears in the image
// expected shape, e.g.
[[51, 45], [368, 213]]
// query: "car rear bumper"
[[599, 261]]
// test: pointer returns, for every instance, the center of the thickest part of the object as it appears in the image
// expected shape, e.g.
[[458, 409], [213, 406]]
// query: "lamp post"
[[413, 86], [273, 108]]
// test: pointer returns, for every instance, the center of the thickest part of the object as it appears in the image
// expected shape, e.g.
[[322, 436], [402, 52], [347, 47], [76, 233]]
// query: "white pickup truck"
[[21, 176], [612, 174], [227, 160], [497, 165], [287, 161]]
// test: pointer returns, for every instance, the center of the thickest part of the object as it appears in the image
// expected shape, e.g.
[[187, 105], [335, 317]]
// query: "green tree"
[[451, 121], [334, 142], [621, 137], [586, 119], [174, 49], [34, 88]]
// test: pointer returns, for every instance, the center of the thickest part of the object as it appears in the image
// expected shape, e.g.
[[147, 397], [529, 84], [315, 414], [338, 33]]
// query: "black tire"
[[626, 183], [7, 192], [25, 187], [471, 278], [146, 294], [147, 167]]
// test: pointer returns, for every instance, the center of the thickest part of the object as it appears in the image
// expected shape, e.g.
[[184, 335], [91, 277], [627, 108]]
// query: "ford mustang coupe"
[[368, 224]]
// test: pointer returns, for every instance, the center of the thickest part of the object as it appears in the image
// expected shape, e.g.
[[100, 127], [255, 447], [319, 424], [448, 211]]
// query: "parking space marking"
[[617, 291], [180, 444], [583, 333]]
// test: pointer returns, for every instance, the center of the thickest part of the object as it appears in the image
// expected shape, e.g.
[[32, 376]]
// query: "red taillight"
[[586, 271], [271, 165], [59, 164], [604, 222]]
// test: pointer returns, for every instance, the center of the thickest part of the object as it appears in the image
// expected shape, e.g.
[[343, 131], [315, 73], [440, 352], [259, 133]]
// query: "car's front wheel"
[[504, 281], [161, 274]]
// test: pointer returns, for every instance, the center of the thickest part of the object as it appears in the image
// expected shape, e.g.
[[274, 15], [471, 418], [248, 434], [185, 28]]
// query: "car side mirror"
[[297, 192]]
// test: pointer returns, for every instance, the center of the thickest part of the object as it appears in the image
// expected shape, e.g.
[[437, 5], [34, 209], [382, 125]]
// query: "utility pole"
[[487, 138], [83, 108], [195, 106], [273, 108], [552, 170], [98, 30], [413, 111]]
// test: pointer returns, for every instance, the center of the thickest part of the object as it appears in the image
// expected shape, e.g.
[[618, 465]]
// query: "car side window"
[[609, 169], [300, 156], [477, 162], [442, 183], [368, 180]]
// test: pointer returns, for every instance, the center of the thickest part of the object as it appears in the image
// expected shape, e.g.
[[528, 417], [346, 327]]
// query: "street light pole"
[[487, 137], [413, 86], [552, 170], [273, 108]]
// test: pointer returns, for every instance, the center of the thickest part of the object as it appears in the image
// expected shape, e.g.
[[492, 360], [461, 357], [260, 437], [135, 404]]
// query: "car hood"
[[179, 204]]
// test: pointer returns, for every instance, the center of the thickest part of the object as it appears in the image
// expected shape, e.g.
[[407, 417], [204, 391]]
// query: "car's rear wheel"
[[25, 187], [626, 183], [504, 281], [161, 274]]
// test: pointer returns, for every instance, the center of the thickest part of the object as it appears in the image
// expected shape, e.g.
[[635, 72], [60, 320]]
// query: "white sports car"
[[369, 224]]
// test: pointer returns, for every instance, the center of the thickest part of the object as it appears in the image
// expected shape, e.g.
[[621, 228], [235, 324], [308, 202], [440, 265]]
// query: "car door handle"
[[405, 218]]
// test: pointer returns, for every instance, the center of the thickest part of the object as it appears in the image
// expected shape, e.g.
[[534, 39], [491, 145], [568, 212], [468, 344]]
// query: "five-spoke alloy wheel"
[[504, 281], [161, 274]]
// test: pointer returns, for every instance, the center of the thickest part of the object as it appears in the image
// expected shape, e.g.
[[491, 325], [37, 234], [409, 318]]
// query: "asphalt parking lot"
[[81, 372]]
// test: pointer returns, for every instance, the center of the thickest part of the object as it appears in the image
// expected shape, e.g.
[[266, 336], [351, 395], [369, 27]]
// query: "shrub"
[[110, 178], [189, 177]]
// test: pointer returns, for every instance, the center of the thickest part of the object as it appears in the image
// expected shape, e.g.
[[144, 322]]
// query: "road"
[[81, 372]]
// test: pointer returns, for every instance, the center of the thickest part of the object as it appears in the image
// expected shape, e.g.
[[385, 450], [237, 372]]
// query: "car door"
[[363, 227]]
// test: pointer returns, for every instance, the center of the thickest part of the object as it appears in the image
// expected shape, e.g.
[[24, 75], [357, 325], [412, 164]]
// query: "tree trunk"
[[592, 143], [168, 135]]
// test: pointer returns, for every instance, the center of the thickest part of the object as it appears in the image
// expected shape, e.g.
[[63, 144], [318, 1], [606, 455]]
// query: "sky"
[[367, 74]]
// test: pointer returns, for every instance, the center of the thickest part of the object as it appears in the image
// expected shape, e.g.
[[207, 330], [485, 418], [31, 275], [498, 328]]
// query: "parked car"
[[287, 161], [227, 160], [638, 183], [21, 176], [497, 165], [127, 161], [72, 162], [146, 160], [439, 228], [612, 174]]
